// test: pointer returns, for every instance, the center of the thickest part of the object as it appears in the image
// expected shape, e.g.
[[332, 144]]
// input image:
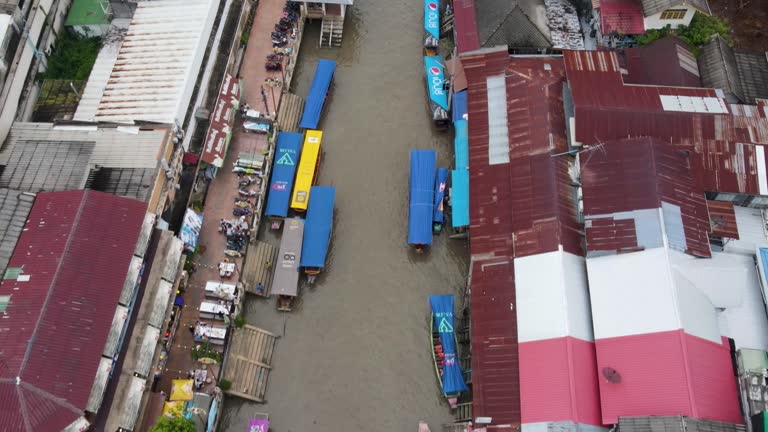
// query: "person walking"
[[260, 288]]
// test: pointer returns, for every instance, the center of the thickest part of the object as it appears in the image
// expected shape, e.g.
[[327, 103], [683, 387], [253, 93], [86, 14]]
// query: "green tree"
[[696, 34], [175, 424], [73, 57]]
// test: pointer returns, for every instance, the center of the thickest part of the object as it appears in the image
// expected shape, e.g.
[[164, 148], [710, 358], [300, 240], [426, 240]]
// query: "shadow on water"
[[355, 355]]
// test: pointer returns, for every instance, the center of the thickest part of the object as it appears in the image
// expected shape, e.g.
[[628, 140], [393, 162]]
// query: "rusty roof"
[[666, 62], [722, 219], [465, 26]]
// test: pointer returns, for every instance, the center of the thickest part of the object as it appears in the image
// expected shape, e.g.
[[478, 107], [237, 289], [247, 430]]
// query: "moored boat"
[[286, 281], [431, 27], [260, 423], [437, 89], [444, 343], [283, 172], [317, 231], [438, 216], [422, 188]]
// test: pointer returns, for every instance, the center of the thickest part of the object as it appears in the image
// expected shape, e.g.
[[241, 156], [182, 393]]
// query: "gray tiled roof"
[[8, 6], [652, 7], [517, 23], [718, 69], [40, 166], [753, 74], [14, 209]]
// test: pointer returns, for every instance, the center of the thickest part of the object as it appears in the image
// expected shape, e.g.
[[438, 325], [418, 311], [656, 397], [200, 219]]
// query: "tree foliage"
[[72, 58], [697, 34], [175, 424]]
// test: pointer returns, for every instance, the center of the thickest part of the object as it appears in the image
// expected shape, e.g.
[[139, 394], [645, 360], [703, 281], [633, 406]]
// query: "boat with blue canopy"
[[317, 230], [438, 215], [422, 189], [283, 173], [447, 367], [431, 26], [318, 92], [459, 199], [436, 87]]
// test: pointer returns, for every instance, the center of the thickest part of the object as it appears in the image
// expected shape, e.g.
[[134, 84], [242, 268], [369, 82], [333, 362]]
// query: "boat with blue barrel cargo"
[[438, 214], [283, 172], [421, 204], [431, 27], [444, 343], [438, 90], [318, 93], [317, 231]]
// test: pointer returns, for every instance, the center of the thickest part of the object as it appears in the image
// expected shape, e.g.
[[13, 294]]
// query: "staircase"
[[463, 412], [332, 31]]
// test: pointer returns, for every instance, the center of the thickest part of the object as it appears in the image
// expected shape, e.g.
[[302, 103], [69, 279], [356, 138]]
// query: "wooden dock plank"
[[289, 114], [258, 267], [250, 362]]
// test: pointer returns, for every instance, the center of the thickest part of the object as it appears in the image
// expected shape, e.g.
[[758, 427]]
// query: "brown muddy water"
[[354, 354]]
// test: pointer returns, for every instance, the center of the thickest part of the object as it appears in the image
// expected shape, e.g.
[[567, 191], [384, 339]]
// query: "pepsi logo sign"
[[432, 6], [434, 70]]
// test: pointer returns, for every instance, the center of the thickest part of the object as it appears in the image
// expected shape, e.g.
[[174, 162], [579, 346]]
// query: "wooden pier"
[[249, 362], [289, 115], [260, 259]]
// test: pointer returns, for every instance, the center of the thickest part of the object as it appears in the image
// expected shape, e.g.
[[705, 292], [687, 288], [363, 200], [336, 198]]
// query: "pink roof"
[[76, 249], [465, 25], [668, 373], [622, 16], [558, 381]]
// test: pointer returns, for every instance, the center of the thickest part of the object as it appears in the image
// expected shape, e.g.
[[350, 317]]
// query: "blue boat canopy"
[[422, 188], [441, 182], [461, 144], [317, 228], [433, 66], [459, 198], [459, 105], [442, 314], [432, 18], [317, 93], [283, 172]]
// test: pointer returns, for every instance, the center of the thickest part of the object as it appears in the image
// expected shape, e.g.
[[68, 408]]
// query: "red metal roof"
[[75, 249], [722, 219], [636, 174], [666, 62], [622, 16], [558, 381], [465, 26], [668, 373]]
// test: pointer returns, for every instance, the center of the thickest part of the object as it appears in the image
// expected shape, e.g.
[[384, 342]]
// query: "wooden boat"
[[437, 351]]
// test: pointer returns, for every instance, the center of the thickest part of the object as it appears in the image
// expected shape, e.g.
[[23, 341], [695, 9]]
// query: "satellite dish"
[[611, 375]]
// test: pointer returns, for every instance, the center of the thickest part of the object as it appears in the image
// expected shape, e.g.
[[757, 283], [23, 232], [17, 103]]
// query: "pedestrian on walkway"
[[260, 288]]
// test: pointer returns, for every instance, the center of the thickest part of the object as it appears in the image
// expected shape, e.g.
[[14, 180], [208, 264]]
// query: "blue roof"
[[317, 228], [422, 188], [441, 181], [459, 105], [459, 198], [461, 144], [442, 314], [283, 172], [314, 106]]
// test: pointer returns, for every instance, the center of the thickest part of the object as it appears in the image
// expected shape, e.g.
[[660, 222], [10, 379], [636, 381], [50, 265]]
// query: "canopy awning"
[[422, 188], [283, 173], [317, 93], [317, 230], [441, 181], [286, 281], [432, 18], [459, 198], [222, 119], [442, 314], [461, 144], [181, 390], [190, 229], [433, 66], [460, 106]]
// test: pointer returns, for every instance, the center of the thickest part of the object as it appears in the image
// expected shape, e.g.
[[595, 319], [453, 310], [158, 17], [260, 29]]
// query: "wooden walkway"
[[249, 362], [289, 115], [257, 268]]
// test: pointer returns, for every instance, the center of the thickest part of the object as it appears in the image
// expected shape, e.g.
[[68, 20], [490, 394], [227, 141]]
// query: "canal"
[[354, 354]]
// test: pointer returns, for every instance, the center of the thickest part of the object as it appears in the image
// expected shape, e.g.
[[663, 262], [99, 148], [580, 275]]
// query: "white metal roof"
[[552, 297], [5, 22], [157, 65], [99, 385], [750, 225]]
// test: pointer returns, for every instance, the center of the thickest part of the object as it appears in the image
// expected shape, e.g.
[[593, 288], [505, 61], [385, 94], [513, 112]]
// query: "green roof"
[[88, 12]]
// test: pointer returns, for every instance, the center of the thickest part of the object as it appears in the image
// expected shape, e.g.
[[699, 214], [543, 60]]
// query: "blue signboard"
[[317, 93], [422, 189], [283, 171], [459, 198], [432, 18], [317, 228], [442, 314], [435, 80], [441, 180]]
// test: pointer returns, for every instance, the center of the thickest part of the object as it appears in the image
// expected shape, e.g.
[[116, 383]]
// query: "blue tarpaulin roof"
[[461, 144], [442, 314], [459, 105], [459, 198], [441, 181], [283, 172], [317, 228], [317, 93], [422, 188]]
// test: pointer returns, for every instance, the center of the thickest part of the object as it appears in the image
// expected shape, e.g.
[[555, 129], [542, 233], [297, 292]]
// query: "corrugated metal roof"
[[668, 373], [14, 209], [102, 69], [717, 64], [652, 7], [753, 74], [75, 252], [666, 62], [158, 62], [722, 219], [621, 16], [519, 23], [675, 424], [465, 26], [39, 166]]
